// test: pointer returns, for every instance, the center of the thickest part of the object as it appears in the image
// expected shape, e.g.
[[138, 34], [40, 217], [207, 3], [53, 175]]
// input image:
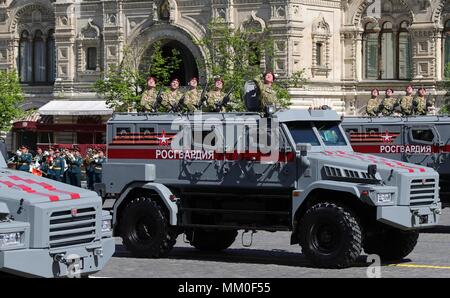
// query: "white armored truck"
[[208, 175], [51, 229]]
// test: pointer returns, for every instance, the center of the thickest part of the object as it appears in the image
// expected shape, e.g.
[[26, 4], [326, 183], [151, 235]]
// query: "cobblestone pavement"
[[271, 256]]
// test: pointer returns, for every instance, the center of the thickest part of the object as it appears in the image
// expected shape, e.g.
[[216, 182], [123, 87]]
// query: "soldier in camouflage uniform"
[[406, 102], [215, 97], [171, 98], [421, 104], [148, 98], [192, 97], [389, 103], [373, 104], [268, 95]]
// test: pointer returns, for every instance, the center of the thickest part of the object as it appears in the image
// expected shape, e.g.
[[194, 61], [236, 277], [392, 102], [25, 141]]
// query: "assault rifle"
[[225, 100]]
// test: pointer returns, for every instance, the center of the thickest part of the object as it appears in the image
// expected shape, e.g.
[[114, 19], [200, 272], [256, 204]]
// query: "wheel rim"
[[144, 230], [325, 237]]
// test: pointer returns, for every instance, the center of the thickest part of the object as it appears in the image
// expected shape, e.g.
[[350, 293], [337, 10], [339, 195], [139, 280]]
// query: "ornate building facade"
[[346, 47]]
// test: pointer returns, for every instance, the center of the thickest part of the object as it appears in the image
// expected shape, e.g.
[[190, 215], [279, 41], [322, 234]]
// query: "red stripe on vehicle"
[[73, 195], [152, 154], [29, 190]]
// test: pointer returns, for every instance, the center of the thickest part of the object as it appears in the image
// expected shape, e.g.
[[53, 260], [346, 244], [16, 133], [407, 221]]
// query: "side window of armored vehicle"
[[204, 139], [423, 135], [146, 131], [330, 133], [351, 130], [302, 132], [122, 133], [372, 130]]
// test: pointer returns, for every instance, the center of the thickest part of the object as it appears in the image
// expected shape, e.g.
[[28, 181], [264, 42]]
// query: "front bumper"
[[43, 263], [408, 218]]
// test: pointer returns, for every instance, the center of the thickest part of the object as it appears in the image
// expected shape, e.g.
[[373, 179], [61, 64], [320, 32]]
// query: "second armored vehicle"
[[209, 175], [422, 140]]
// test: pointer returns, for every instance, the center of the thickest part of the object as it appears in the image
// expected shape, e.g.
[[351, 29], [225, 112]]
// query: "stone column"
[[65, 37], [113, 35]]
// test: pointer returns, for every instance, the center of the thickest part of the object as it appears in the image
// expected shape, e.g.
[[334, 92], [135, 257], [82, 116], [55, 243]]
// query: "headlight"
[[106, 225], [11, 239], [384, 197]]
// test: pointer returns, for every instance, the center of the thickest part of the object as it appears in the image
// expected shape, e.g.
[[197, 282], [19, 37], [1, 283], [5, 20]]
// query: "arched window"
[[91, 58], [387, 63], [39, 55], [447, 48], [25, 61], [387, 52], [404, 52], [51, 57], [371, 51]]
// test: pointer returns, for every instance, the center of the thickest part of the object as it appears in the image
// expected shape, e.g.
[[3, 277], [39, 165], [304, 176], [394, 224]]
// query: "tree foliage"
[[11, 97], [123, 85], [237, 55], [234, 55], [445, 109]]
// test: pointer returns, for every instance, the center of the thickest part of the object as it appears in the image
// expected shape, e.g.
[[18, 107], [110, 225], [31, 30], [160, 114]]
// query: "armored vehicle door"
[[263, 157], [200, 158], [421, 143]]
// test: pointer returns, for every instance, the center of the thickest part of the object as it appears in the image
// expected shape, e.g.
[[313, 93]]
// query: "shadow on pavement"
[[240, 255], [436, 230]]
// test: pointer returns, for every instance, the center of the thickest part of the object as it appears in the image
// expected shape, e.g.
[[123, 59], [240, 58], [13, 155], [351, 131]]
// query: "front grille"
[[67, 229], [352, 175], [422, 191]]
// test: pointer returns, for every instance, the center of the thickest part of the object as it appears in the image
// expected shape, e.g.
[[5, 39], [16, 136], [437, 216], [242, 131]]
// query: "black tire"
[[330, 236], [211, 240], [145, 230], [389, 243]]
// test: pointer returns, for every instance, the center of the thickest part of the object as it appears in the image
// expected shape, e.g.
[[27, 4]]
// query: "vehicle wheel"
[[330, 236], [389, 243], [145, 229], [211, 240]]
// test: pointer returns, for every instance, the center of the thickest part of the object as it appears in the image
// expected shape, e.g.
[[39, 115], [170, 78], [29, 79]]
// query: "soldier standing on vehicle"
[[372, 108], [389, 103], [406, 102], [192, 96], [74, 170], [268, 96], [24, 159], [215, 97], [59, 164], [98, 163], [149, 96], [171, 98], [421, 104]]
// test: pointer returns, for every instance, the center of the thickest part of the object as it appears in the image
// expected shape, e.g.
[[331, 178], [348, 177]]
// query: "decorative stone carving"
[[253, 23], [90, 31], [320, 35]]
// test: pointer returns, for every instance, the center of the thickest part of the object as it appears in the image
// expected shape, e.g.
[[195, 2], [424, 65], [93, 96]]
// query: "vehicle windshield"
[[302, 132], [330, 133]]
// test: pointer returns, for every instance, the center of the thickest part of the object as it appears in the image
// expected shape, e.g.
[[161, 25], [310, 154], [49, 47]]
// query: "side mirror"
[[303, 148]]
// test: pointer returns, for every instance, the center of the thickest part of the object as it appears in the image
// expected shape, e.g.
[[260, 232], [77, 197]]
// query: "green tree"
[[11, 97], [236, 56], [123, 85], [445, 109]]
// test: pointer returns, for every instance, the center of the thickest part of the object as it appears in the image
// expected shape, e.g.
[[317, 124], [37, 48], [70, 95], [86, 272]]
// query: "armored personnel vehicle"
[[422, 140], [51, 229], [208, 175]]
